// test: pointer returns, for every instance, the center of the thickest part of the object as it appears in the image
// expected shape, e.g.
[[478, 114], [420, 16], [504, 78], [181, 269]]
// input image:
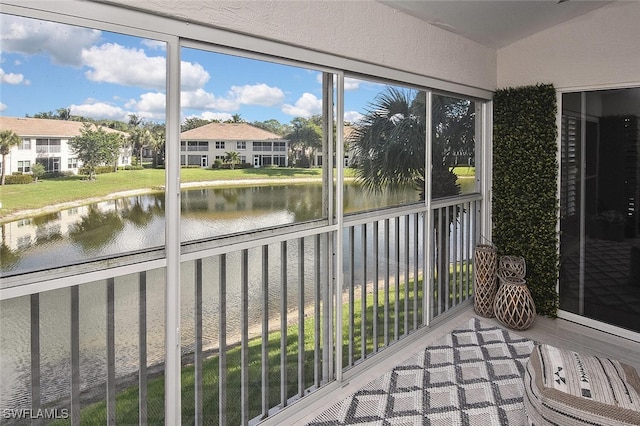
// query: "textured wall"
[[601, 48], [364, 30]]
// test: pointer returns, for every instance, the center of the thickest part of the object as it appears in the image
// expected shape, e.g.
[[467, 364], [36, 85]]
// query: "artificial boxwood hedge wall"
[[525, 173]]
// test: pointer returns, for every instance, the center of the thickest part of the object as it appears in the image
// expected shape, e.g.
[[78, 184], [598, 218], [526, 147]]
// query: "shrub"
[[99, 170], [131, 167], [53, 175], [17, 179]]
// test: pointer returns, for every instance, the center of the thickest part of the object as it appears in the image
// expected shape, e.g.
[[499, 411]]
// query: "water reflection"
[[129, 224]]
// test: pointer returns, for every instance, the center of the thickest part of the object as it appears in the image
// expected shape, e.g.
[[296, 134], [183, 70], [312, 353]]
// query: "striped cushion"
[[567, 388]]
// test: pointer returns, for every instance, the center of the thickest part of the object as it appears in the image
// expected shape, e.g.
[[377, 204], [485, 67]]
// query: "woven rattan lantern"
[[514, 266], [514, 306], [485, 267]]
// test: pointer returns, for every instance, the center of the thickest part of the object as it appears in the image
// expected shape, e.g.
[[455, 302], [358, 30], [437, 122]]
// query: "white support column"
[[485, 147], [428, 226], [340, 220], [172, 237]]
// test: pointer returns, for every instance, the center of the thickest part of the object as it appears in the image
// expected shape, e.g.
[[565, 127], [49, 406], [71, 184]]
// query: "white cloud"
[[352, 116], [2, 106], [197, 99], [208, 115], [11, 78], [154, 44], [63, 43], [351, 83], [306, 106], [257, 94], [100, 110], [192, 76], [153, 103], [114, 63]]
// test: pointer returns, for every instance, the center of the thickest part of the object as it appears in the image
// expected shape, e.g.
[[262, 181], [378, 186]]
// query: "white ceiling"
[[495, 23]]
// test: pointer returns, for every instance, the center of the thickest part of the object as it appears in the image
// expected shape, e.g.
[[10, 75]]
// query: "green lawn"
[[47, 192], [127, 400]]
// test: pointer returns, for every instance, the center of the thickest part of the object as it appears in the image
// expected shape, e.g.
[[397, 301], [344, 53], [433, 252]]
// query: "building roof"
[[44, 127], [229, 131]]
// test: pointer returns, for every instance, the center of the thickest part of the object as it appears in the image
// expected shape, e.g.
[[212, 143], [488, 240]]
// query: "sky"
[[45, 66]]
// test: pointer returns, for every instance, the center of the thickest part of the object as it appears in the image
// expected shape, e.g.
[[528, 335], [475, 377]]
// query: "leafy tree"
[[273, 126], [37, 170], [96, 148], [8, 139], [304, 138], [232, 158], [111, 124], [46, 115], [193, 123], [59, 114]]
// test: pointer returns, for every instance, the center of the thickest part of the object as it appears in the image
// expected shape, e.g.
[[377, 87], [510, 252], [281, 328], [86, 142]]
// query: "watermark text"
[[29, 413]]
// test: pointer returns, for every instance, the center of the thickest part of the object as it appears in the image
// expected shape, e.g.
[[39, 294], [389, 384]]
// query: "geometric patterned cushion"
[[568, 388]]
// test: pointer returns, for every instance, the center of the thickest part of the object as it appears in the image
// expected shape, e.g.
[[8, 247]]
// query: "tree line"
[[387, 144]]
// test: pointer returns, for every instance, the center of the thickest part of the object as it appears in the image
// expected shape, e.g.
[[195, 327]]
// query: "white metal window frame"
[[177, 34]]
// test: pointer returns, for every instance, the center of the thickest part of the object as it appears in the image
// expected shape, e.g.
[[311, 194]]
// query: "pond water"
[[130, 224]]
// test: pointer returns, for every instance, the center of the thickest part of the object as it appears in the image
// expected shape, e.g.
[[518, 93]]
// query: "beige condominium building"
[[46, 141], [203, 145]]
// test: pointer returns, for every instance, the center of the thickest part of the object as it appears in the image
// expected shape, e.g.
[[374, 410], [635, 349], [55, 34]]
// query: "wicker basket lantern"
[[514, 266], [514, 306], [485, 267]]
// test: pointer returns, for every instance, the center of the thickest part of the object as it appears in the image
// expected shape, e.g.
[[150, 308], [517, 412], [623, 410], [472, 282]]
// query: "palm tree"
[[8, 139], [64, 113], [389, 142], [134, 120], [141, 137], [389, 146], [232, 158], [236, 118]]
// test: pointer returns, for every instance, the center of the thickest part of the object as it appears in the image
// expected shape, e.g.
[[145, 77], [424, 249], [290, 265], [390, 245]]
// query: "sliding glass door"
[[600, 196]]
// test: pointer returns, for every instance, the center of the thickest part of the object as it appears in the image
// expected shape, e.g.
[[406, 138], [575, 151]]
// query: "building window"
[[46, 146], [72, 163], [279, 146], [220, 145], [262, 146], [50, 164], [25, 145], [280, 160], [24, 166], [241, 145]]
